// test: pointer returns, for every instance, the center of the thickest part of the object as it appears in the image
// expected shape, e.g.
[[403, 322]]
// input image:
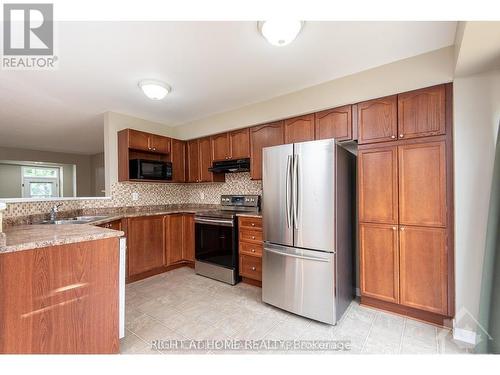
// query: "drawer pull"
[[253, 250], [253, 268], [253, 224], [253, 237]]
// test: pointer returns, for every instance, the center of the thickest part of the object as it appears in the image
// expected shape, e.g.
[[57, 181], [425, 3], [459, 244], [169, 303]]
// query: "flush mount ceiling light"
[[280, 32], [154, 90]]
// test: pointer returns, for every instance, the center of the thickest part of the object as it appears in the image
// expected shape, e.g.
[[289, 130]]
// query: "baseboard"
[[464, 335]]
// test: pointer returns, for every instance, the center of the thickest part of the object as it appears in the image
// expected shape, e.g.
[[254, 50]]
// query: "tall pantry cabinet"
[[406, 205]]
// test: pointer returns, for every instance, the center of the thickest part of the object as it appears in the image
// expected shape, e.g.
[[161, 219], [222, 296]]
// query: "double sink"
[[75, 220]]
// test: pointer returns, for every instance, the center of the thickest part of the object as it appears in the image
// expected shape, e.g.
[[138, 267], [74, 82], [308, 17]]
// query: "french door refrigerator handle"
[[288, 187], [296, 190], [326, 260]]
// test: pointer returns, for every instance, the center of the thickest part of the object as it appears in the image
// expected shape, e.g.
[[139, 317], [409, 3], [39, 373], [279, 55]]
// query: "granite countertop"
[[26, 237]]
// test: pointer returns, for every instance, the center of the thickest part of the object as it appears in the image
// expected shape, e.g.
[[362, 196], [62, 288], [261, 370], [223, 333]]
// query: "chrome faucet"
[[54, 210]]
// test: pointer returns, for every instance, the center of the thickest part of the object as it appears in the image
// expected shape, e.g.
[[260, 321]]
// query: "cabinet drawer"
[[251, 249], [251, 267], [251, 222], [250, 235]]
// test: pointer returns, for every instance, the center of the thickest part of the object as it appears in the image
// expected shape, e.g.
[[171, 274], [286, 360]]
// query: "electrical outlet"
[[202, 196], [135, 196]]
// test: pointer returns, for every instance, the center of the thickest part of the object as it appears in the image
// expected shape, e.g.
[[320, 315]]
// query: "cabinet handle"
[[393, 136], [253, 268], [401, 135], [253, 250], [253, 224], [402, 229], [154, 148], [394, 228], [253, 237]]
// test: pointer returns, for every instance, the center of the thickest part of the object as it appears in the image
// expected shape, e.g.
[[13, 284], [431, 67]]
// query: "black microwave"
[[142, 169]]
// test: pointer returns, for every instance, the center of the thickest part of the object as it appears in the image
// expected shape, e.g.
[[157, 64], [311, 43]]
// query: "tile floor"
[[180, 305]]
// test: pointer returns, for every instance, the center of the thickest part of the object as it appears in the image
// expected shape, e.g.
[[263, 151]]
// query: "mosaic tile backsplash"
[[148, 194]]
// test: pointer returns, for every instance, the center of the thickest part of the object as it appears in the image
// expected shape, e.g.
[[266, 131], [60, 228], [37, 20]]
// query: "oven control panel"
[[240, 200]]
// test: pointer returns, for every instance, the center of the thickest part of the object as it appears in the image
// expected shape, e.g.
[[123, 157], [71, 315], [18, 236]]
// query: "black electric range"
[[216, 237]]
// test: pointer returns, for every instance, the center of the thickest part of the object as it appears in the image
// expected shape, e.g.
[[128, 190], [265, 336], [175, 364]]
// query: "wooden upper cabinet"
[[422, 184], [377, 120], [174, 238], [239, 141], [378, 185], [334, 123], [299, 129], [261, 136], [220, 147], [178, 159], [138, 140], [379, 261], [193, 161], [424, 268], [421, 112], [188, 236], [205, 159], [145, 248], [159, 144]]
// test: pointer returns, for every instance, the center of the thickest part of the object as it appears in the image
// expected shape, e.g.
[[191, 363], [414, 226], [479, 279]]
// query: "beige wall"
[[476, 121], [404, 75]]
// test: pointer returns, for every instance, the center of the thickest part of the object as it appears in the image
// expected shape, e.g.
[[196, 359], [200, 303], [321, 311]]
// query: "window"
[[40, 182]]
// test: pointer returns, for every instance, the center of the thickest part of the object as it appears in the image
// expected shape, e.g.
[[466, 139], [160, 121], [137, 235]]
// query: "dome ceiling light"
[[280, 32], [154, 90]]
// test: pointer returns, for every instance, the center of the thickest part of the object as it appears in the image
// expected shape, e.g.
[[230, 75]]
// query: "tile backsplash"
[[148, 194]]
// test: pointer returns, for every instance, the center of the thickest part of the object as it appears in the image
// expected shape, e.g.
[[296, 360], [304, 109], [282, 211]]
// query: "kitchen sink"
[[75, 220]]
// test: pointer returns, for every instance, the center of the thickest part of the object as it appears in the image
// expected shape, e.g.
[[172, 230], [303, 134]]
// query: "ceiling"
[[212, 67]]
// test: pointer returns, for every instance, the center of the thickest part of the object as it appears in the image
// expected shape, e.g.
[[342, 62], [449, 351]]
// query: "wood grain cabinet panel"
[[188, 237], [159, 144], [178, 159], [263, 136], [421, 112], [334, 123], [138, 140], [220, 147], [424, 268], [422, 184], [379, 261], [377, 120], [174, 229], [299, 129], [239, 141], [193, 160], [378, 185], [145, 247]]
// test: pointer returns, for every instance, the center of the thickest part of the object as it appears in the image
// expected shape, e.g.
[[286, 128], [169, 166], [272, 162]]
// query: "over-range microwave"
[[142, 169]]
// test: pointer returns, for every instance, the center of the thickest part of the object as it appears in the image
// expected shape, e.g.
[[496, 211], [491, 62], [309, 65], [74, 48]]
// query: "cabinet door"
[[299, 129], [188, 237], [263, 136], [422, 184], [378, 185], [138, 140], [193, 156], [160, 144], [424, 268], [178, 159], [377, 120], [205, 159], [220, 146], [421, 112], [379, 261], [334, 123], [239, 141], [145, 244], [173, 237]]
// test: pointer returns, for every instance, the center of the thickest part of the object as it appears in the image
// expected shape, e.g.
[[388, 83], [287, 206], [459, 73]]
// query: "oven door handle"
[[225, 223]]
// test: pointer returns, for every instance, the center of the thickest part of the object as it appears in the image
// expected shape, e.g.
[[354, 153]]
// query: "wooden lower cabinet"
[[174, 229], [379, 261], [145, 243], [424, 268], [188, 236], [250, 249], [115, 225]]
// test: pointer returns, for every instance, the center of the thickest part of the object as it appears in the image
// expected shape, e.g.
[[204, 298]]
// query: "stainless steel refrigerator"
[[308, 202]]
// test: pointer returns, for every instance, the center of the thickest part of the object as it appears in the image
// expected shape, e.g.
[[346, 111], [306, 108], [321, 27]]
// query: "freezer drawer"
[[300, 281]]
